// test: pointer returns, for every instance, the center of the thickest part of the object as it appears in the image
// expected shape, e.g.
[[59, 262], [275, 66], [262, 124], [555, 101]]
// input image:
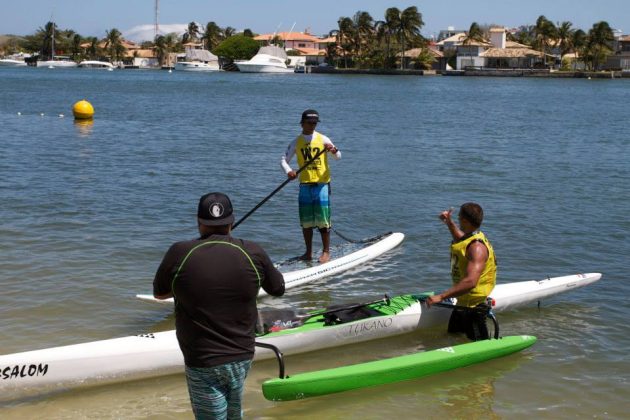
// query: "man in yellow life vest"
[[314, 196], [473, 269]]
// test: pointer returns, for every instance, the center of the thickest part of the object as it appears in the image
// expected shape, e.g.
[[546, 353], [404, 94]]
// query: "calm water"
[[88, 211]]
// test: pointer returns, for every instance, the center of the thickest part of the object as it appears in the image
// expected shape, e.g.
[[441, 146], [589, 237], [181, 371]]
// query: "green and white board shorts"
[[314, 203]]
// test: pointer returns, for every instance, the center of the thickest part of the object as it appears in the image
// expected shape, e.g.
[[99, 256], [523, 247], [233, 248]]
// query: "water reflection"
[[84, 127]]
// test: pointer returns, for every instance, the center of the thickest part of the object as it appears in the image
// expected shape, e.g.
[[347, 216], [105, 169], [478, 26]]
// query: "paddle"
[[302, 318], [286, 181]]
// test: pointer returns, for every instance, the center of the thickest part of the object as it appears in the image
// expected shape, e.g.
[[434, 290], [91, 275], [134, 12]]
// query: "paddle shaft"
[[286, 181]]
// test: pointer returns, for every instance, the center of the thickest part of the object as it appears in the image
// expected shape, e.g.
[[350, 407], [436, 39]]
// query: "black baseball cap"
[[311, 115], [215, 209]]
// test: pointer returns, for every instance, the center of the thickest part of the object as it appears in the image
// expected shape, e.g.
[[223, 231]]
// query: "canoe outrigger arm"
[[278, 353], [484, 310]]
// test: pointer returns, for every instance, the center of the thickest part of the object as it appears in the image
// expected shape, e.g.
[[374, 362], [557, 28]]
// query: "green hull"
[[312, 384]]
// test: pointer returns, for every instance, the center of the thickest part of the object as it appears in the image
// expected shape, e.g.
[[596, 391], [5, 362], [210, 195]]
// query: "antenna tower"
[[156, 28]]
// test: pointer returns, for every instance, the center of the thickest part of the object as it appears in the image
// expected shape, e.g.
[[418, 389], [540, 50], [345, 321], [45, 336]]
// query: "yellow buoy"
[[83, 110]]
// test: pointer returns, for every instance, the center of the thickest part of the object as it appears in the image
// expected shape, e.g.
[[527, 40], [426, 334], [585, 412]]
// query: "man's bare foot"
[[325, 257], [305, 257]]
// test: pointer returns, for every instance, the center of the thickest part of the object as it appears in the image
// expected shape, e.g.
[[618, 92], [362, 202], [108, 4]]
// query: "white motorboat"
[[196, 66], [57, 61], [198, 59], [9, 62], [94, 64], [15, 60], [269, 59]]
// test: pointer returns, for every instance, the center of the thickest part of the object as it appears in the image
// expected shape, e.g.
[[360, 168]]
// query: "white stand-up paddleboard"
[[156, 354], [336, 265]]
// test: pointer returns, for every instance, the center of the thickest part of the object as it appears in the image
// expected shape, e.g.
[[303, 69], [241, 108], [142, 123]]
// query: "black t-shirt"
[[215, 281]]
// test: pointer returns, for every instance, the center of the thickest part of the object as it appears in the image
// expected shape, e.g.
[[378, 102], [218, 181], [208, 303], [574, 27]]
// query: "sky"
[[135, 18]]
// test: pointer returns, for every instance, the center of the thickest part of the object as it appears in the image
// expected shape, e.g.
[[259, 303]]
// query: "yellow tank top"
[[459, 263], [317, 171]]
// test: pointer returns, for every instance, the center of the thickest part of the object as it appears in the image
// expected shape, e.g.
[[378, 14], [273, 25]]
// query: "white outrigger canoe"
[[378, 246], [157, 354]]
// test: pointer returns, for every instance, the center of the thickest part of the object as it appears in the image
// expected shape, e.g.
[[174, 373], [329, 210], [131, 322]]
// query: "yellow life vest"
[[459, 264], [317, 171]]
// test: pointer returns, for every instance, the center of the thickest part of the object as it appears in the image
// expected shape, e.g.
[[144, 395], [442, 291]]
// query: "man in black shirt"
[[215, 280]]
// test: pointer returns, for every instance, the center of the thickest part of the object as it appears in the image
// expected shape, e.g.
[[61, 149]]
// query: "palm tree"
[[192, 33], [164, 45], [381, 36], [474, 35], [114, 45], [392, 23], [76, 46], [228, 31], [544, 31], [161, 49], [408, 25], [525, 35], [579, 43], [565, 36], [212, 35], [48, 34], [92, 50], [600, 39], [364, 28], [344, 36]]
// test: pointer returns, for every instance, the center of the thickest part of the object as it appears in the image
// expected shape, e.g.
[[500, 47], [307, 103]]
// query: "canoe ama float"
[[396, 369]]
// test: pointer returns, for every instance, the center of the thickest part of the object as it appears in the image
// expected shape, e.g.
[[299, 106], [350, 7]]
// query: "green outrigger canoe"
[[402, 368]]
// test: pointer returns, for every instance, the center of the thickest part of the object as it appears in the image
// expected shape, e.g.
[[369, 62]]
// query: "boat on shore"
[[156, 354], [269, 59], [94, 64]]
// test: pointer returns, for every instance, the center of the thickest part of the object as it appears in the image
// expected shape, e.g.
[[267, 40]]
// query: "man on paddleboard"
[[314, 196], [215, 280], [473, 269]]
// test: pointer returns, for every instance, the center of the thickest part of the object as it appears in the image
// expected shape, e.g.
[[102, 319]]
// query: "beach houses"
[[496, 52], [309, 48]]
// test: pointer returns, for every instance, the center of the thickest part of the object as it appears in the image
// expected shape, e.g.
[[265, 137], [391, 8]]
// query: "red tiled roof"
[[288, 36], [310, 51]]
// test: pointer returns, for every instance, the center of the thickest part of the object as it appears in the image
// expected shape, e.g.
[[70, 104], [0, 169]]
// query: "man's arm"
[[163, 280], [477, 256], [286, 158], [456, 232], [328, 144], [273, 280]]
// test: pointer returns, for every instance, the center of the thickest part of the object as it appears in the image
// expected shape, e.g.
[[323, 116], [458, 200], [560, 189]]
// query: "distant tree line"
[[67, 42], [592, 47], [360, 41]]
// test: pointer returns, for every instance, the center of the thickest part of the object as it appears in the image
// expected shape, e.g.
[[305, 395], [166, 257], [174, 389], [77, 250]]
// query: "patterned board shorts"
[[216, 392], [314, 203]]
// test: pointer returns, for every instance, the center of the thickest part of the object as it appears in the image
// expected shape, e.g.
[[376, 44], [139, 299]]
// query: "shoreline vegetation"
[[362, 44]]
